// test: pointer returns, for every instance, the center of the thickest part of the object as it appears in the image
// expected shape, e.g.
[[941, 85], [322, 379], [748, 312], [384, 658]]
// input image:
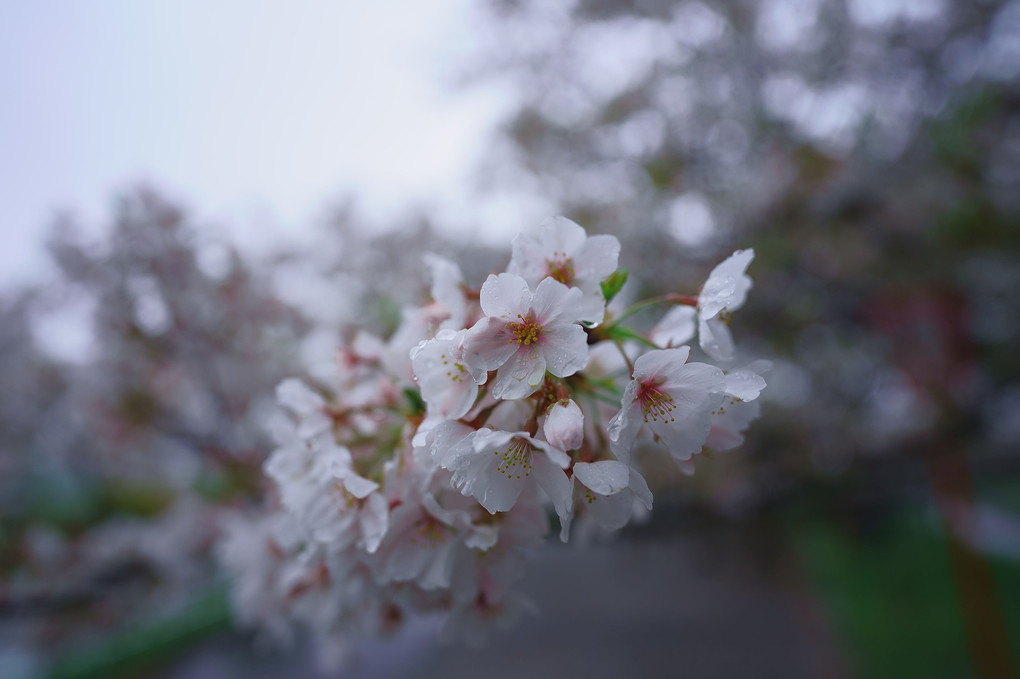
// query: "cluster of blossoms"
[[422, 477]]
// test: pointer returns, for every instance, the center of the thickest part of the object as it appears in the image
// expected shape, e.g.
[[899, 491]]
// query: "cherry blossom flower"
[[674, 398], [447, 386], [524, 335], [563, 251], [495, 466], [723, 293]]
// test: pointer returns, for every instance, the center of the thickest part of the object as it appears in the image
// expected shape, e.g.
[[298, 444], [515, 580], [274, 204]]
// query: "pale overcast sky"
[[253, 114]]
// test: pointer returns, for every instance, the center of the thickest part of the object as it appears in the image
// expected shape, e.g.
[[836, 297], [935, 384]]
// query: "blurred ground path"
[[690, 605]]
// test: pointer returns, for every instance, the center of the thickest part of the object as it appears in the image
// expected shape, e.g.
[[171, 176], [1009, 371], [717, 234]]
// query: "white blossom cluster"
[[420, 480]]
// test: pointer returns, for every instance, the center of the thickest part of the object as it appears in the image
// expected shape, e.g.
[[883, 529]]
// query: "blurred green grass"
[[892, 598]]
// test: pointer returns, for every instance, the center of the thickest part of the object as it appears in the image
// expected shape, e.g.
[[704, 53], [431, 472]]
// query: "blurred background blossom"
[[200, 201]]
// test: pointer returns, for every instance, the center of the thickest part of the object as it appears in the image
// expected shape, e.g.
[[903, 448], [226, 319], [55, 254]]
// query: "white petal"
[[727, 285], [675, 328], [592, 308], [482, 473], [716, 340], [743, 384], [482, 537], [521, 375], [313, 425], [554, 482], [374, 522], [623, 428], [505, 296], [359, 486], [555, 455], [639, 487], [447, 288], [448, 441], [605, 477], [660, 363], [554, 301], [564, 425], [611, 512], [528, 258], [598, 257], [728, 427], [298, 397], [565, 348]]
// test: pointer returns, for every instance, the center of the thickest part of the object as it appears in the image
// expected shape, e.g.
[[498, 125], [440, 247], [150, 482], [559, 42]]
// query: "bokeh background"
[[197, 200]]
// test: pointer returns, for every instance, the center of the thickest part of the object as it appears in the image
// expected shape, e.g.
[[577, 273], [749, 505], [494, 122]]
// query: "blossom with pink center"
[[523, 335], [674, 399], [494, 467], [562, 250]]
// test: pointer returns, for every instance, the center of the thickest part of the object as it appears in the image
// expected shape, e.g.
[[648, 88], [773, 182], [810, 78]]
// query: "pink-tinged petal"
[[486, 346], [564, 425], [676, 328], [555, 484], [505, 296], [623, 428], [660, 364], [743, 384], [359, 486], [720, 438], [374, 522], [605, 477], [554, 302], [565, 348], [597, 257], [727, 285], [521, 375], [716, 340], [686, 467]]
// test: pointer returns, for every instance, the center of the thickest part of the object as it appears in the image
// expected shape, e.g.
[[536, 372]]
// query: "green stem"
[[671, 297]]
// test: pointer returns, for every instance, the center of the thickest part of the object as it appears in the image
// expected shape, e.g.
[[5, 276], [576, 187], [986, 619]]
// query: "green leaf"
[[414, 399], [613, 284]]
